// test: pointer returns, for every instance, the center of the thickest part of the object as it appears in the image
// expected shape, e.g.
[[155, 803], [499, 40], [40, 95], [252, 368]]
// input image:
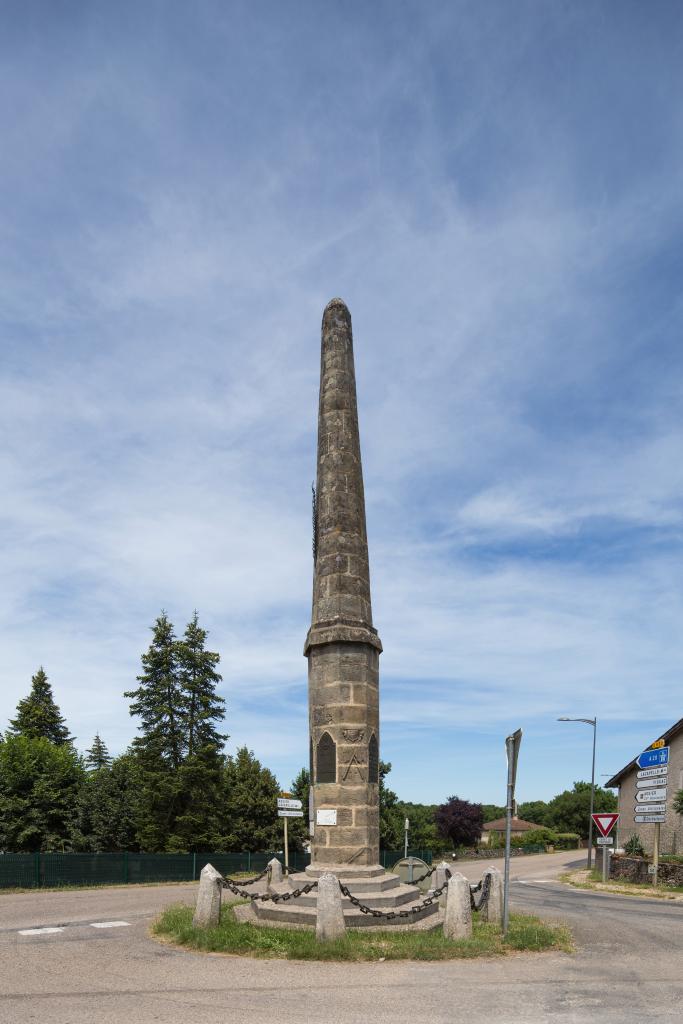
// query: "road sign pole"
[[604, 863], [286, 846], [656, 854], [512, 748], [405, 843]]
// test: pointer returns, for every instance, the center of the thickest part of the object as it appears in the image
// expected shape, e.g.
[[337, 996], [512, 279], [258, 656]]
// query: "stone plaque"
[[326, 816], [326, 760]]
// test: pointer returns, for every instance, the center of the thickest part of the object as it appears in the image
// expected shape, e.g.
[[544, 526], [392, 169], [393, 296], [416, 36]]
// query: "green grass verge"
[[620, 886], [230, 936]]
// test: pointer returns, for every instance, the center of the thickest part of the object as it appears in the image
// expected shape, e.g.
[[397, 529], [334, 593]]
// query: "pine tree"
[[39, 786], [108, 807], [299, 828], [198, 680], [159, 699], [249, 805], [98, 756], [179, 749], [38, 715]]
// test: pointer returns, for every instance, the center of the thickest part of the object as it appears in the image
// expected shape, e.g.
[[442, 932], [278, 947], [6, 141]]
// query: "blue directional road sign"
[[651, 758]]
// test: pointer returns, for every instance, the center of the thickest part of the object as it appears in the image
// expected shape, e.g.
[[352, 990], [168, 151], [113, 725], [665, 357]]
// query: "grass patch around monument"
[[231, 936]]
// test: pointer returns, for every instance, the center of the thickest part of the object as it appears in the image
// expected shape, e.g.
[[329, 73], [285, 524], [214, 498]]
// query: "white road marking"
[[111, 924], [39, 931], [535, 881]]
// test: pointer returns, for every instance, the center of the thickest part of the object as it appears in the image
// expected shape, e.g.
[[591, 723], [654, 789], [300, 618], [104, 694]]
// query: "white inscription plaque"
[[325, 816]]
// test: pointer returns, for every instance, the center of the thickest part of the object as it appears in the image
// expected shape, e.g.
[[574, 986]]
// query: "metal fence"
[[50, 870]]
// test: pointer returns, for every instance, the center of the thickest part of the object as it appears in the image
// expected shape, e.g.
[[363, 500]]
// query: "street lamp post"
[[594, 723]]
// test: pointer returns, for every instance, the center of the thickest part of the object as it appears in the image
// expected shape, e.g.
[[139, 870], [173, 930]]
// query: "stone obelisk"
[[342, 646]]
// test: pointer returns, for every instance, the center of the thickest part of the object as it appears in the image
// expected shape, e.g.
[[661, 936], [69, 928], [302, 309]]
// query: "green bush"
[[567, 840], [634, 847], [538, 837]]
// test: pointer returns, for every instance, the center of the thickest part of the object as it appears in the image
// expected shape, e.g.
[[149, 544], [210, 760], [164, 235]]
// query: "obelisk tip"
[[336, 307]]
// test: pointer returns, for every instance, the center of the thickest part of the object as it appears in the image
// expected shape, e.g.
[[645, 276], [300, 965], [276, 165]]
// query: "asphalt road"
[[628, 968]]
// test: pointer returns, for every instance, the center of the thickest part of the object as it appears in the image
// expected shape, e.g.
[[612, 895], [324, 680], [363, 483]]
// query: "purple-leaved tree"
[[460, 821]]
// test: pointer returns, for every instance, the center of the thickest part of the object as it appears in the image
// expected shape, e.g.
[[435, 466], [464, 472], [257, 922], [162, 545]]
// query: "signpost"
[[649, 796], [288, 808], [653, 758], [512, 744], [648, 773], [405, 844], [651, 791], [605, 823]]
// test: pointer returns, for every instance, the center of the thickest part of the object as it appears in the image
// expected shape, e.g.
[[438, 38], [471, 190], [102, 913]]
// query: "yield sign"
[[605, 822]]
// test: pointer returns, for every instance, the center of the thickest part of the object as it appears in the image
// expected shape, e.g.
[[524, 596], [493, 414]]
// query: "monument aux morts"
[[343, 652], [342, 646]]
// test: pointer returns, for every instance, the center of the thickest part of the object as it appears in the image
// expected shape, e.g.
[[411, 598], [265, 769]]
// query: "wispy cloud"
[[182, 197]]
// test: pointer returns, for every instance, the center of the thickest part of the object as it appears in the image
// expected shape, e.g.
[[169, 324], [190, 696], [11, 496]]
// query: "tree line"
[[176, 790]]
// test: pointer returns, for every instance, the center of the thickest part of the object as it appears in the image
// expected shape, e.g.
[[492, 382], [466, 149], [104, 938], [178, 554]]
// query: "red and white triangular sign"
[[605, 822]]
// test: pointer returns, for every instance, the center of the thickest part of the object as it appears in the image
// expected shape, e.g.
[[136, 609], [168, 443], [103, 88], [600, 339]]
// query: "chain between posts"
[[273, 897], [485, 888], [391, 915]]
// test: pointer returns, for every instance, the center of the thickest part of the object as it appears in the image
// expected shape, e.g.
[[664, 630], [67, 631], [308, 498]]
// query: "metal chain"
[[392, 914], [485, 888], [273, 897]]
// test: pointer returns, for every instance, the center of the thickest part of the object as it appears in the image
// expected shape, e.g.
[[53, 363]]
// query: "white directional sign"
[[290, 814], [645, 796], [650, 808], [642, 819], [293, 805], [650, 773], [651, 783]]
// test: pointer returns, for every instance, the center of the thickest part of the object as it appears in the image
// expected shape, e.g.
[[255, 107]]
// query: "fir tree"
[[109, 807], [179, 749], [38, 715], [198, 681], [39, 786], [249, 805], [98, 755], [158, 700]]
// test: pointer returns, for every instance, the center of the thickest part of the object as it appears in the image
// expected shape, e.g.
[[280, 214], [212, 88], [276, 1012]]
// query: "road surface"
[[99, 966]]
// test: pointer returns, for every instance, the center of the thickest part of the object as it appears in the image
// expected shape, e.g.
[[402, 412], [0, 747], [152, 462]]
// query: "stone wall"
[[634, 869]]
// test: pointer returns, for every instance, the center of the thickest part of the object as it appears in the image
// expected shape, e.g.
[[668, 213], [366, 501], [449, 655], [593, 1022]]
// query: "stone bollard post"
[[492, 911], [274, 873], [329, 922], [440, 878], [208, 910], [458, 921]]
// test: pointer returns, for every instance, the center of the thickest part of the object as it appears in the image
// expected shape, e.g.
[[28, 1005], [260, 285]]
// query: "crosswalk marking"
[[39, 931]]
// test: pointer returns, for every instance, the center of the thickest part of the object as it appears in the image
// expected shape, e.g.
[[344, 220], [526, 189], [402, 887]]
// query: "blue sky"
[[494, 189]]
